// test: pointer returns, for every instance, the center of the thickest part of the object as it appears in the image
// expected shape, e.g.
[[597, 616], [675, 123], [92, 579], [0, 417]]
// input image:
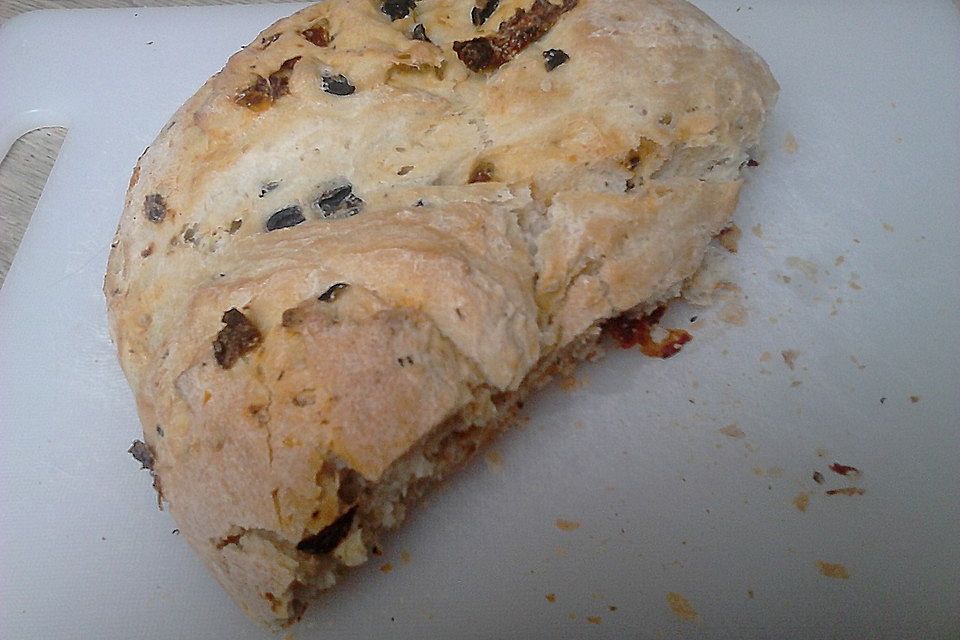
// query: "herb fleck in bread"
[[349, 256]]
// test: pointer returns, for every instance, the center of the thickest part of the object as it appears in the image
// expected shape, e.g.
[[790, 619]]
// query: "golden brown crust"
[[347, 234]]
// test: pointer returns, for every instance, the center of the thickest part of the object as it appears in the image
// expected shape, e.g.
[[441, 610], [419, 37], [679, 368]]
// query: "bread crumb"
[[888, 227], [839, 261], [802, 501], [732, 430], [569, 383], [833, 570], [594, 619], [729, 238], [494, 460], [790, 143], [561, 551], [806, 267], [789, 357], [750, 593], [551, 597], [853, 284], [733, 313], [405, 557], [765, 356], [681, 607], [386, 568], [567, 525], [845, 491], [795, 383], [757, 471], [757, 230], [914, 399]]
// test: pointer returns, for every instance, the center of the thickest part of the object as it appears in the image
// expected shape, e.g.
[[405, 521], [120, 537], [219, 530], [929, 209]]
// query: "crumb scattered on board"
[[845, 491], [681, 607], [733, 313], [818, 477], [789, 357], [386, 567], [494, 460], [567, 525], [839, 261], [732, 430], [405, 557], [833, 570], [765, 356], [729, 238], [844, 470], [914, 399], [757, 230], [806, 267], [888, 227], [551, 597], [594, 619], [790, 143], [802, 501]]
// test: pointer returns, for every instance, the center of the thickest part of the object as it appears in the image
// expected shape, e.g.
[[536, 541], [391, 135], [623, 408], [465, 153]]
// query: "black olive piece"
[[398, 9], [479, 15], [155, 207], [328, 539], [336, 85], [339, 202], [287, 217], [268, 187], [331, 294], [553, 58], [419, 33], [142, 453]]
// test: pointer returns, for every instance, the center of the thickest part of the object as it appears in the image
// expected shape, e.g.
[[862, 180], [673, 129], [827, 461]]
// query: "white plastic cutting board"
[[666, 502]]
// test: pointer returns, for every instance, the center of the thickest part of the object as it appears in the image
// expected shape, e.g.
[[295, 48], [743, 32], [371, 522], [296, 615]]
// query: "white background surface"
[[667, 503]]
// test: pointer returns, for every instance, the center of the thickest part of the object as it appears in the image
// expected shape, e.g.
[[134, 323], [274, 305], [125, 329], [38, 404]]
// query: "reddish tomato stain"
[[631, 332], [843, 469]]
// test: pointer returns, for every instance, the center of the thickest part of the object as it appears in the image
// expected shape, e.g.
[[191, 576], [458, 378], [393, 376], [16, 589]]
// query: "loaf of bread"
[[344, 261]]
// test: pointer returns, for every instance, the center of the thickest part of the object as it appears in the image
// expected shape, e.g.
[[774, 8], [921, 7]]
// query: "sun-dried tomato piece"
[[261, 94], [481, 172], [239, 337], [630, 332], [318, 33]]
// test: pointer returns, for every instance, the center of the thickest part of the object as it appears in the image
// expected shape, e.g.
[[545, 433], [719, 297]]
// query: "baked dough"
[[347, 258]]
